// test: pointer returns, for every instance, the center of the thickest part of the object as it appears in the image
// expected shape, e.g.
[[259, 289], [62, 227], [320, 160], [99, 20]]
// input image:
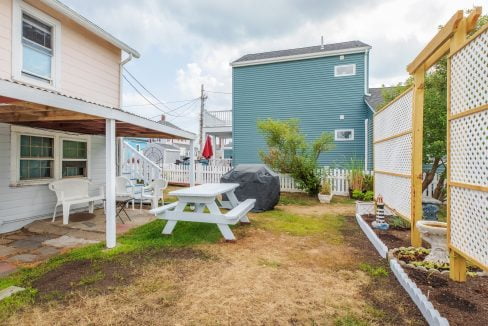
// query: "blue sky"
[[186, 43]]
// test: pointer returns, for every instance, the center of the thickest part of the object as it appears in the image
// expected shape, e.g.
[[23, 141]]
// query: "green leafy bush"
[[368, 196], [368, 182], [357, 194], [289, 152]]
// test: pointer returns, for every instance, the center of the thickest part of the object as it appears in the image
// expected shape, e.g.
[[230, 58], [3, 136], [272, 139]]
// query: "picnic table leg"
[[224, 228], [170, 225], [234, 202]]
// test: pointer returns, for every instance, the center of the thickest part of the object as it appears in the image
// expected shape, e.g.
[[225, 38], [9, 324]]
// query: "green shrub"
[[368, 196], [289, 152], [357, 194], [368, 182]]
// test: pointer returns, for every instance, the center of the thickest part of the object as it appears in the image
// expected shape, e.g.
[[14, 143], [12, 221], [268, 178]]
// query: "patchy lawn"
[[301, 264]]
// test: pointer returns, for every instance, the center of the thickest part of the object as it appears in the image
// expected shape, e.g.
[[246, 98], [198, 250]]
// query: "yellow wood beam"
[[417, 154], [437, 41], [472, 18]]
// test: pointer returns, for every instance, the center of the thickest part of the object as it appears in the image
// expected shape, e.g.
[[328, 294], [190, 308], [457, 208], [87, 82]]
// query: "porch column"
[[110, 168], [192, 163]]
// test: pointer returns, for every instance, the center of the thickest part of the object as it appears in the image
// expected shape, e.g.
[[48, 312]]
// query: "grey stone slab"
[[47, 251], [26, 244], [7, 251], [24, 258], [41, 237], [89, 224], [5, 293]]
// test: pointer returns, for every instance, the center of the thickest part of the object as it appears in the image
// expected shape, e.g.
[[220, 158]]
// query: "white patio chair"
[[124, 188], [154, 191]]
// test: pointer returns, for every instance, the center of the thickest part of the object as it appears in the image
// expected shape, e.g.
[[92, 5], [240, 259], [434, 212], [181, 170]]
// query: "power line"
[[186, 110], [149, 101], [134, 105], [181, 106]]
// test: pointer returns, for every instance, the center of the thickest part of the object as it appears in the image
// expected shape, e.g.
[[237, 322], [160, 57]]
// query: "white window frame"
[[336, 68], [17, 131], [62, 159], [337, 131], [19, 7]]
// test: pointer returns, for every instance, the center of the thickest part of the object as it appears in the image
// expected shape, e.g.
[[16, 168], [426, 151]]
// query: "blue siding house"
[[325, 87]]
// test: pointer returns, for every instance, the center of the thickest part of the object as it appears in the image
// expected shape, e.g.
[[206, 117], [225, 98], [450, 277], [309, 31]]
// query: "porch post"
[[192, 162], [110, 168]]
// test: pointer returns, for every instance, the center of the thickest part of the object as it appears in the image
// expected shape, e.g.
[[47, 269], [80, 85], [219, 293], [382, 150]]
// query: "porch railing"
[[136, 166], [218, 118]]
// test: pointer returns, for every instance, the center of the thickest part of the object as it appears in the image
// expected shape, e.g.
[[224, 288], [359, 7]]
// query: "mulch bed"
[[461, 303], [393, 237]]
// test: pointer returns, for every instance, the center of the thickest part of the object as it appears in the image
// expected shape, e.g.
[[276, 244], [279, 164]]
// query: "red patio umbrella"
[[207, 149]]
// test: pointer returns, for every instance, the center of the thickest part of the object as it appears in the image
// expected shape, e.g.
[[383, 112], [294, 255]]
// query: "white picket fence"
[[338, 178]]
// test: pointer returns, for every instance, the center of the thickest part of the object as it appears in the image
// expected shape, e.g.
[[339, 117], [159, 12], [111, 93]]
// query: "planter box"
[[365, 208]]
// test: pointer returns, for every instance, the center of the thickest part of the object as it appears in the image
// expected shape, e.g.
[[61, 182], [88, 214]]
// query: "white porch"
[[22, 106]]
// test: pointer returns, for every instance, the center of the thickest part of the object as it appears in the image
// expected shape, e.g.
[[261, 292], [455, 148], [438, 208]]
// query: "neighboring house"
[[323, 86], [218, 125], [60, 94]]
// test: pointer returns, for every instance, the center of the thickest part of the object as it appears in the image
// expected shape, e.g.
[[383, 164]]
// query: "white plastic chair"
[[154, 191], [124, 188]]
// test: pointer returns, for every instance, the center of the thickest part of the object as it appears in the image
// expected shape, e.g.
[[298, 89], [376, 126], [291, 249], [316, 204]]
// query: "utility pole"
[[202, 109]]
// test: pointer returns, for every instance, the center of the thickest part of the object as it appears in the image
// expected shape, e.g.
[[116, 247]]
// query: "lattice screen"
[[469, 150], [393, 154]]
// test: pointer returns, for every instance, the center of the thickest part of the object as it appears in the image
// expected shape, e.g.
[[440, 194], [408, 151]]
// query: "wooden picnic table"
[[206, 196]]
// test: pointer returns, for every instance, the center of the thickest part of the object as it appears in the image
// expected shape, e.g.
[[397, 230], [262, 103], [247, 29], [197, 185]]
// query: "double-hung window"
[[35, 46], [74, 161], [41, 156], [36, 157], [37, 49]]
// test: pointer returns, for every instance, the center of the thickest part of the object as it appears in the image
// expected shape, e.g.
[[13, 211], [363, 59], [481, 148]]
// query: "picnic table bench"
[[206, 196]]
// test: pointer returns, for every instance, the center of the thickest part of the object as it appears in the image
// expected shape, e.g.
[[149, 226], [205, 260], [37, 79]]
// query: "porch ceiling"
[[35, 107]]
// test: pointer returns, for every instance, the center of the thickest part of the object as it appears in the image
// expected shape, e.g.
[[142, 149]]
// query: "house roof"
[[50, 109], [302, 53], [375, 99], [92, 27]]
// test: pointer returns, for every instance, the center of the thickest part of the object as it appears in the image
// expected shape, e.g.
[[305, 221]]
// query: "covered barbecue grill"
[[256, 181]]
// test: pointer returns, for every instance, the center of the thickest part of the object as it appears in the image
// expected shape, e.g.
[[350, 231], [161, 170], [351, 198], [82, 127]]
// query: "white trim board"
[[40, 96], [380, 247], [300, 57]]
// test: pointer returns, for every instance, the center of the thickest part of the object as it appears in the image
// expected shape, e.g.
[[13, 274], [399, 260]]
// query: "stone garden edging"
[[380, 247]]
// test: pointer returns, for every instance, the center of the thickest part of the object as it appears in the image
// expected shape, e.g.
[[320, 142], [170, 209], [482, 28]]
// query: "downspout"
[[366, 144], [121, 139], [366, 73]]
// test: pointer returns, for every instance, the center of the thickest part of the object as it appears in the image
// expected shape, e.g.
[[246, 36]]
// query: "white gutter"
[[95, 29], [366, 73], [300, 56], [369, 106], [121, 76]]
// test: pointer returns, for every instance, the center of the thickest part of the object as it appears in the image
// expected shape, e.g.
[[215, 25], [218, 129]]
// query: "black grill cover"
[[256, 181]]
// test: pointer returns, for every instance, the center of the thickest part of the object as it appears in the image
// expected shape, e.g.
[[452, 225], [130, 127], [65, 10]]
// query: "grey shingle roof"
[[376, 98], [301, 51]]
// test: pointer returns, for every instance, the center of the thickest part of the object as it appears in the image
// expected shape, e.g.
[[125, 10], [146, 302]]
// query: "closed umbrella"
[[207, 149]]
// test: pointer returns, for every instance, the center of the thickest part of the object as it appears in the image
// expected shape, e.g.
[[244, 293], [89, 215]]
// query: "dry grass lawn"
[[297, 265]]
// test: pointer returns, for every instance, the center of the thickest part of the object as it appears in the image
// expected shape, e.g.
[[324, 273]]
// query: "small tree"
[[289, 152]]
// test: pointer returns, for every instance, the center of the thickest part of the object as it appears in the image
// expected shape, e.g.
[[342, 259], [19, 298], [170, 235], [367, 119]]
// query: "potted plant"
[[364, 202], [325, 194]]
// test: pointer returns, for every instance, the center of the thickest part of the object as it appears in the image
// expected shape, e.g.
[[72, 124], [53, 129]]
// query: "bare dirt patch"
[[268, 277], [461, 303], [393, 237]]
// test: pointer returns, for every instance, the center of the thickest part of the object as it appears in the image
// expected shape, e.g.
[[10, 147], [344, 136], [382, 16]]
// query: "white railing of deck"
[[137, 166], [218, 118]]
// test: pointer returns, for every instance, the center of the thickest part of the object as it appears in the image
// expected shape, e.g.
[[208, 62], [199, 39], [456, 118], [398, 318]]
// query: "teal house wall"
[[308, 90]]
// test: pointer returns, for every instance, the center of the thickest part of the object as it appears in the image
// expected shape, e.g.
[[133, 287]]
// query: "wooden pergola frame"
[[448, 40]]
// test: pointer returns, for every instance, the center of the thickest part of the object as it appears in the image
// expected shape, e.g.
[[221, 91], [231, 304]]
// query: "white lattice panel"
[[469, 149], [395, 191], [394, 119], [469, 75], [394, 155], [469, 222]]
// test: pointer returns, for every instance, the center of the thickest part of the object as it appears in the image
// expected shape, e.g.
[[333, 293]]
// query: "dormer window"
[[37, 51], [35, 46]]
